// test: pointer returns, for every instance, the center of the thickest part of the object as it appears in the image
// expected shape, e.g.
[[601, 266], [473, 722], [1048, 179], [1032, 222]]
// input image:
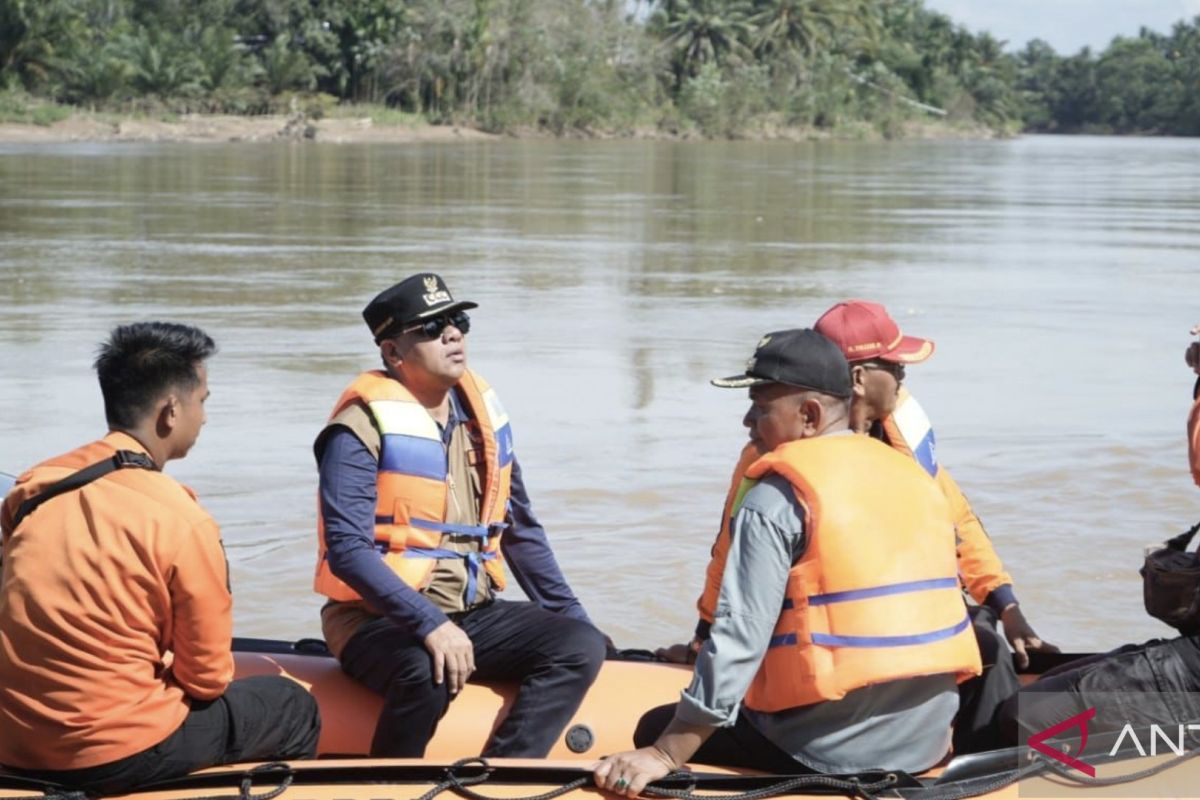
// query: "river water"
[[1058, 277]]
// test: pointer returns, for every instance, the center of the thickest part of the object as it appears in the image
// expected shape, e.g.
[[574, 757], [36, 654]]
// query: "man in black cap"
[[839, 631], [422, 502]]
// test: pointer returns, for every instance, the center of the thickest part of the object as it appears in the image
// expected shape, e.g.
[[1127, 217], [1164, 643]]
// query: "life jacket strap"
[[473, 560], [122, 459]]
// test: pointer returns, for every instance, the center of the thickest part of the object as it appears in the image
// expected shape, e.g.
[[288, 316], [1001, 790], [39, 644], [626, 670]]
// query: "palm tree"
[[704, 31], [806, 26]]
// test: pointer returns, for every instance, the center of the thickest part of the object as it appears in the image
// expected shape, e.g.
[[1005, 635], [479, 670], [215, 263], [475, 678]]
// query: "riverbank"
[[87, 127], [83, 127]]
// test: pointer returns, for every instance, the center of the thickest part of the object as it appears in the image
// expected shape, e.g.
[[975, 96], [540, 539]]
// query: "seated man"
[[878, 352], [1159, 679], [839, 630], [115, 612], [422, 501]]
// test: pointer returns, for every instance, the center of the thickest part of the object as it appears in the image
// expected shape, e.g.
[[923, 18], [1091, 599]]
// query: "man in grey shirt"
[[735, 712]]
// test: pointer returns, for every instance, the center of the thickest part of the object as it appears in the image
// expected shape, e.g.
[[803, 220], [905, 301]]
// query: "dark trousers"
[[981, 697], [1153, 682], [555, 658], [740, 745], [263, 718]]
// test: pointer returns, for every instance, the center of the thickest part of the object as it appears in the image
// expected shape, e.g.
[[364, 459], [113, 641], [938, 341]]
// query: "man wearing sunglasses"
[[422, 503], [878, 352]]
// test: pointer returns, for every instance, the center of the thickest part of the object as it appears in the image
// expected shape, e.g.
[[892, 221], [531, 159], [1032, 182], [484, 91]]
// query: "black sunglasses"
[[432, 328]]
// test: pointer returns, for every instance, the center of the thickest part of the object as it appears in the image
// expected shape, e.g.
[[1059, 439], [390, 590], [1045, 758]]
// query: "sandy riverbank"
[[222, 128], [83, 127]]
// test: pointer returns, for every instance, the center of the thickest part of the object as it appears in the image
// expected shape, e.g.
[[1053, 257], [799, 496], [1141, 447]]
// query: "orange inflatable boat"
[[604, 724]]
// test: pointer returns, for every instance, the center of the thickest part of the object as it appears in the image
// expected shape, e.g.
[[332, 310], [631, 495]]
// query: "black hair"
[[141, 362]]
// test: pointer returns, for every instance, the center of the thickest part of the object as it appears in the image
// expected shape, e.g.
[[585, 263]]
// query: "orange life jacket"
[[413, 483], [907, 430], [738, 486], [875, 596]]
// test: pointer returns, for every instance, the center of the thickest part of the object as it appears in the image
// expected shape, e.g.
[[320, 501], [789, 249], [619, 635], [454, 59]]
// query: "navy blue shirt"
[[348, 499]]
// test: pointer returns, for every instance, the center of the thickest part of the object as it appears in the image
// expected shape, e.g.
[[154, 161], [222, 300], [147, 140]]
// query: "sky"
[[1067, 25]]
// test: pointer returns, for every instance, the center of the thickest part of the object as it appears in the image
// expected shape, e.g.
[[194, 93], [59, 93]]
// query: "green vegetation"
[[721, 68]]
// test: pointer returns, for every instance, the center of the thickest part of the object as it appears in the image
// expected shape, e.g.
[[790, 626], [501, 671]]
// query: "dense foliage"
[[717, 67]]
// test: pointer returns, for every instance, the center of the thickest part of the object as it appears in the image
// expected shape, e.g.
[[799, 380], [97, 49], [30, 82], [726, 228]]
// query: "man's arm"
[[979, 565], [348, 500], [768, 536], [202, 614], [530, 559], [984, 575]]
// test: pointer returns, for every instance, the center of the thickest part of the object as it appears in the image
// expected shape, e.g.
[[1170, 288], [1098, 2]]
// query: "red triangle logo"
[[1038, 741]]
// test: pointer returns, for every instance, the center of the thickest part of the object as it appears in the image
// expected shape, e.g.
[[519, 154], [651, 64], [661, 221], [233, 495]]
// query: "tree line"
[[713, 67]]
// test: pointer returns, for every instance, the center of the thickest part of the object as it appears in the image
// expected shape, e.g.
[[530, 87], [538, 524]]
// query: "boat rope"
[[1063, 771], [458, 784], [988, 784], [975, 787], [850, 786], [55, 793], [244, 793]]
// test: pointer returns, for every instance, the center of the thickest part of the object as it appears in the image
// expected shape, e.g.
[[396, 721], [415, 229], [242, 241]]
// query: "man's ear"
[[858, 381], [389, 350], [167, 416], [813, 414]]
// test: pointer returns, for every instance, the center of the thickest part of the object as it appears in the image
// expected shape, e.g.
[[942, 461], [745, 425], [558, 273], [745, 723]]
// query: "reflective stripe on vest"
[[874, 597]]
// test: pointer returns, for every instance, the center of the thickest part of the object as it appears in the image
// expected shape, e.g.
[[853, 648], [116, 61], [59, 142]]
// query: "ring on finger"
[[621, 783]]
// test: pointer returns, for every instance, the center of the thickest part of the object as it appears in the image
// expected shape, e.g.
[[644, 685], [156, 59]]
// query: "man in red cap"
[[878, 352]]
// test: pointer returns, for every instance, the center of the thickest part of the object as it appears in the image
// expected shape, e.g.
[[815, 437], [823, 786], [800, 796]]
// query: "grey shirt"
[[903, 724]]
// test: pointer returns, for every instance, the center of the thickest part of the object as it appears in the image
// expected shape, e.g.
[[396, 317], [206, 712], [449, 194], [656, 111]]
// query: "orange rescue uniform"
[[114, 611], [1194, 439]]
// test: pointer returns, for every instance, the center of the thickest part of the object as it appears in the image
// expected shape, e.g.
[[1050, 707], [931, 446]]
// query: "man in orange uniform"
[[115, 610], [422, 504], [840, 629], [877, 351]]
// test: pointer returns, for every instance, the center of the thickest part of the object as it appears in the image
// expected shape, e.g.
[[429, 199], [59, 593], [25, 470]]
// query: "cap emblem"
[[433, 296]]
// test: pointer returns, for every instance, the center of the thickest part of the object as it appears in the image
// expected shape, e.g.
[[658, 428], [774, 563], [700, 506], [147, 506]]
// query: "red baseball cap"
[[864, 330]]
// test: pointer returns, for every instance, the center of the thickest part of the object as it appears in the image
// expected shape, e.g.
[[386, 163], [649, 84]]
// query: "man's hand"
[[680, 653], [1192, 354], [1021, 635], [628, 773], [675, 654], [453, 655]]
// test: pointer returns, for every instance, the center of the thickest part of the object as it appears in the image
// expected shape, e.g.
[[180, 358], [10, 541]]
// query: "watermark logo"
[[1120, 744], [1037, 741]]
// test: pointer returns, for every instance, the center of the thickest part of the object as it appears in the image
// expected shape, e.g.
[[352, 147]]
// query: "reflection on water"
[[615, 279]]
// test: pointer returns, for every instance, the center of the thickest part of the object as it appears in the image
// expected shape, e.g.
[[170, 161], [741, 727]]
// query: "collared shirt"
[[903, 724], [348, 471]]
